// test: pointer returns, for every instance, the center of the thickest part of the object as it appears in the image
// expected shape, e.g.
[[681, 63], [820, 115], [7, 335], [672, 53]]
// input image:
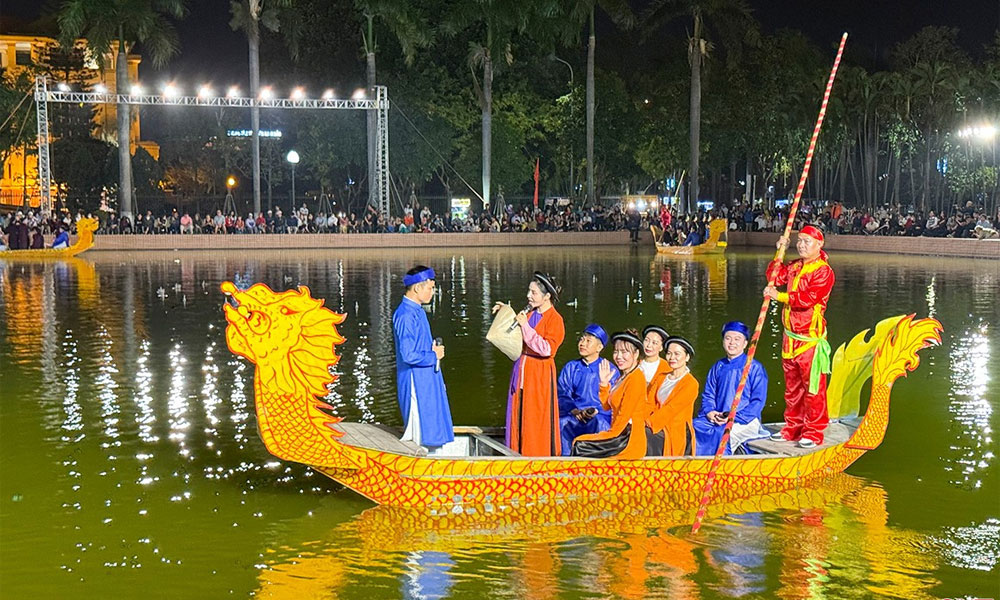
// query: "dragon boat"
[[85, 229], [291, 338], [717, 229]]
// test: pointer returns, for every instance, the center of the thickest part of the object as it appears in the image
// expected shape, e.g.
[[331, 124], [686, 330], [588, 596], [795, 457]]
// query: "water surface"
[[130, 464]]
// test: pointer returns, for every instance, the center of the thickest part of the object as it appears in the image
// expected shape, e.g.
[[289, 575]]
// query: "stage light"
[[298, 94], [100, 88], [135, 90], [233, 92], [171, 91], [205, 92], [328, 95], [359, 94], [266, 93], [62, 87], [230, 182]]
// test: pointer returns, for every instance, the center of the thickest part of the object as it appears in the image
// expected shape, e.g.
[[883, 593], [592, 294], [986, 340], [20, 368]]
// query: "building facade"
[[26, 55]]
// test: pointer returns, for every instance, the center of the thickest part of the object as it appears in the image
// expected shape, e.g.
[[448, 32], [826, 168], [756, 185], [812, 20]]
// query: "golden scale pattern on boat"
[[291, 338]]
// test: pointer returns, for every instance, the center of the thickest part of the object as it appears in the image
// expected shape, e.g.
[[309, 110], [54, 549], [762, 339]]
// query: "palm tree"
[[115, 27], [409, 28], [584, 10], [499, 22], [731, 22], [248, 16]]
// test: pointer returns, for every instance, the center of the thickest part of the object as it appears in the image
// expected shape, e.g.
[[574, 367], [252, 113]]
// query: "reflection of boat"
[[291, 338], [631, 541], [85, 229], [713, 245]]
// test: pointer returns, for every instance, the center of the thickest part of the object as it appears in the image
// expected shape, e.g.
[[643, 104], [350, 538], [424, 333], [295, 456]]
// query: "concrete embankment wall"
[[318, 241], [850, 243], [926, 246]]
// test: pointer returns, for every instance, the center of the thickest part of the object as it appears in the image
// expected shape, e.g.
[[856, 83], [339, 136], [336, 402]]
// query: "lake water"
[[130, 464]]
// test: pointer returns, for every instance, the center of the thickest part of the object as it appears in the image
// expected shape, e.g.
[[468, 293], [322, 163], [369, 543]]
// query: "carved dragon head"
[[86, 225], [290, 336]]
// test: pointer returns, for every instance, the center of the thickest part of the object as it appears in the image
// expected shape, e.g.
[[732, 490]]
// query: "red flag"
[[536, 183]]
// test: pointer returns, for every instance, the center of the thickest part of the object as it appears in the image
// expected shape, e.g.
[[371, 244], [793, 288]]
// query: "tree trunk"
[[842, 173], [124, 149], [254, 40], [694, 55], [370, 114], [487, 125], [592, 41], [732, 182]]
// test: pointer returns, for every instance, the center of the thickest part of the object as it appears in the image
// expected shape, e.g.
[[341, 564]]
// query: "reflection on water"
[[831, 541], [129, 457], [970, 409]]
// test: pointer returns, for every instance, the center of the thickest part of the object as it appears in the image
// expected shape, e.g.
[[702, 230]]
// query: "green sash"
[[821, 358]]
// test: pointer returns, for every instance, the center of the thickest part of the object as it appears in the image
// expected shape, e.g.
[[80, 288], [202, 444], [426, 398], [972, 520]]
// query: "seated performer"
[[580, 409], [37, 240], [62, 240], [654, 368], [675, 403], [422, 397], [720, 389], [627, 402]]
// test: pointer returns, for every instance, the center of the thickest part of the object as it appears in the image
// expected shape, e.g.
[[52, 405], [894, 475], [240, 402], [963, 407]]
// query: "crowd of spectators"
[[302, 220], [959, 222], [967, 221]]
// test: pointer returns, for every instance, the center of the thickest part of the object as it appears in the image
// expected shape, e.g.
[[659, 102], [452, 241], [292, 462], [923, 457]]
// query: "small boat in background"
[[85, 229], [715, 244]]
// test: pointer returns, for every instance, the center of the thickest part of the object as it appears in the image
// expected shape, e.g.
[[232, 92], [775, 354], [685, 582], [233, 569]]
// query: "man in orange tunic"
[[805, 351]]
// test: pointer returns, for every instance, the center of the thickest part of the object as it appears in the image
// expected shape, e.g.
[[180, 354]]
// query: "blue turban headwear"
[[736, 326], [419, 276], [598, 332]]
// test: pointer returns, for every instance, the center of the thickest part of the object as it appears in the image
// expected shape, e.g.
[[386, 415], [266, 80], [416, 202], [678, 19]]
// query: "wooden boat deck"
[[377, 437], [836, 433]]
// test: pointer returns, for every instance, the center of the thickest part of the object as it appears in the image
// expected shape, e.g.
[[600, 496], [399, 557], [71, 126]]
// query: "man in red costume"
[[805, 351]]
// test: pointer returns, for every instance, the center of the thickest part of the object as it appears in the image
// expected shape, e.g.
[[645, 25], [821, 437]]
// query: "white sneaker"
[[806, 443], [777, 437]]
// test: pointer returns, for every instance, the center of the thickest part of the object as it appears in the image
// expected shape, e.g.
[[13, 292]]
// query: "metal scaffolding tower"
[[380, 104], [44, 168]]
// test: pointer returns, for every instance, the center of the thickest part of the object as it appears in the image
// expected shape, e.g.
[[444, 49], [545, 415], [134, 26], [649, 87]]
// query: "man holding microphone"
[[422, 397]]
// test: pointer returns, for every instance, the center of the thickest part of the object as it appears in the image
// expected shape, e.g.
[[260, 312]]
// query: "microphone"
[[439, 342], [513, 325]]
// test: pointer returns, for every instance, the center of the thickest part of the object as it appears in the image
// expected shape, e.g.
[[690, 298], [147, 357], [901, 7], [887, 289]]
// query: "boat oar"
[[778, 256]]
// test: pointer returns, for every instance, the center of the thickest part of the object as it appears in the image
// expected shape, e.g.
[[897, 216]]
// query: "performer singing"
[[720, 389], [532, 400], [805, 351], [422, 397], [580, 409]]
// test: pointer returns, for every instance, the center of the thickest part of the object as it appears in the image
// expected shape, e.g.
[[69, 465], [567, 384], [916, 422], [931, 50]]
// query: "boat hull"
[[445, 483]]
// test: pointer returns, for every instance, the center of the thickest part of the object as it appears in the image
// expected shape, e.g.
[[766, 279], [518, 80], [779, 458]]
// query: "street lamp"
[[572, 183], [229, 206], [293, 159]]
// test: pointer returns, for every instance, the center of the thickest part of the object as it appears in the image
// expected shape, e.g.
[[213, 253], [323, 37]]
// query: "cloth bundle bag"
[[501, 336]]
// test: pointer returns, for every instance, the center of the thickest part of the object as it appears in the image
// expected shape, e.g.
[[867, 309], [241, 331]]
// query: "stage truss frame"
[[380, 104]]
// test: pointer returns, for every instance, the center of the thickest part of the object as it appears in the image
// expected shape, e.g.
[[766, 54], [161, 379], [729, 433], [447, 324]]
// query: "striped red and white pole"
[[779, 256]]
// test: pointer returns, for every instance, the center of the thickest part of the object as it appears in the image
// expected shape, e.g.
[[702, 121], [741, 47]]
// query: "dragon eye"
[[285, 310]]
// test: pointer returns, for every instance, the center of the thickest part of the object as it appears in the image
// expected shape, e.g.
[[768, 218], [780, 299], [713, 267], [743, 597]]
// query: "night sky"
[[211, 51]]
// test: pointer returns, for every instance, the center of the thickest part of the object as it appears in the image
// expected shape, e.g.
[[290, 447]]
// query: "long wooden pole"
[[778, 256]]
